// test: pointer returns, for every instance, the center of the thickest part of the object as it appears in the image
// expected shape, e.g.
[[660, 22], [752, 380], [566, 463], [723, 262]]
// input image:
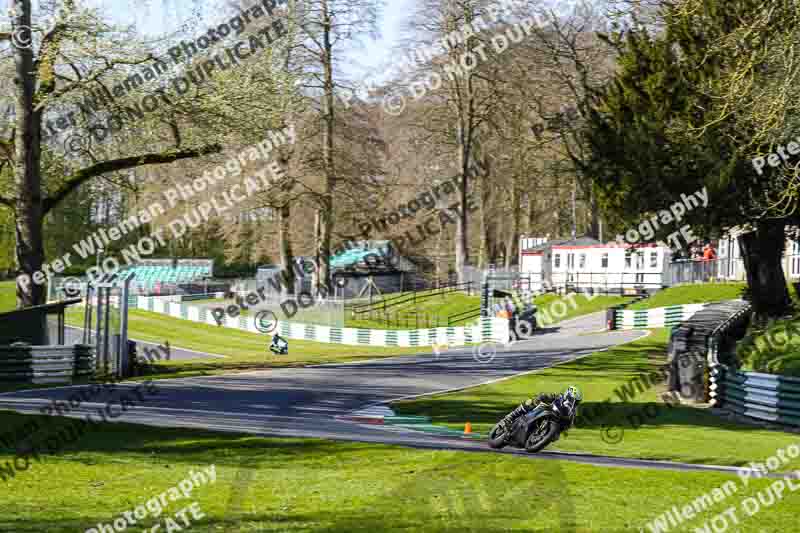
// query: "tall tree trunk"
[[762, 251], [594, 215], [315, 279], [465, 141], [484, 250], [462, 248], [325, 209], [513, 233], [532, 216], [285, 243], [27, 170]]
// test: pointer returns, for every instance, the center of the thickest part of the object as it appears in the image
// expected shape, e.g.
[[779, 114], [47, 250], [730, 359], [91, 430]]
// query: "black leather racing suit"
[[527, 407]]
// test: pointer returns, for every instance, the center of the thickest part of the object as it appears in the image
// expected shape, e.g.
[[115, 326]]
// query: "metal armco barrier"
[[755, 395], [45, 364], [695, 340]]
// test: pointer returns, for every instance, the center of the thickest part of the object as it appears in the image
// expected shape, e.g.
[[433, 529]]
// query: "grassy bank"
[[772, 349], [648, 428], [243, 350], [314, 485], [553, 308], [692, 294], [407, 315]]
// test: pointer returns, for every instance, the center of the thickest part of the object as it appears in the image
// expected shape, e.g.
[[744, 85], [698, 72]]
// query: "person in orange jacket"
[[708, 253]]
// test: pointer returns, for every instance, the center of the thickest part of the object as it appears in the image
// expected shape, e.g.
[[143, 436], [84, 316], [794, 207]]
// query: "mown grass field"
[[678, 433], [267, 484], [692, 294], [310, 485], [553, 308]]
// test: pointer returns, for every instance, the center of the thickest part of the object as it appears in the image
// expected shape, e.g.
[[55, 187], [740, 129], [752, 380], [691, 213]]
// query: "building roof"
[[351, 257], [579, 242]]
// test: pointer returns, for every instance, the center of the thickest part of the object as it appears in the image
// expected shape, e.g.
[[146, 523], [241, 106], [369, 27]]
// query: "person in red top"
[[708, 253]]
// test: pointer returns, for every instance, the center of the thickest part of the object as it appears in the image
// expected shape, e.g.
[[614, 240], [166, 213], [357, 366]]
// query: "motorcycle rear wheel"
[[498, 437], [541, 437]]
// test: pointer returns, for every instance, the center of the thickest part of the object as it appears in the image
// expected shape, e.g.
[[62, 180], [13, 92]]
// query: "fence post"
[[611, 317]]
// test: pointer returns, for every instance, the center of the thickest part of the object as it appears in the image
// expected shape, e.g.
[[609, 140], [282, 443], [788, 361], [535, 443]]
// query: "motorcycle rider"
[[571, 394], [279, 345]]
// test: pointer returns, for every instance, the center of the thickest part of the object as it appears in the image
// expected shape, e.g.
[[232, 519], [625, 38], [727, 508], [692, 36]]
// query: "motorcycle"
[[279, 345], [528, 316], [536, 429]]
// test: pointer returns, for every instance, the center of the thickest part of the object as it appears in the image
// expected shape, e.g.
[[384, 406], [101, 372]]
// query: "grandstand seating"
[[153, 278]]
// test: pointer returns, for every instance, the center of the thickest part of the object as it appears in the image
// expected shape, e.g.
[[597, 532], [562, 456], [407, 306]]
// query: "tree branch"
[[50, 49], [83, 175]]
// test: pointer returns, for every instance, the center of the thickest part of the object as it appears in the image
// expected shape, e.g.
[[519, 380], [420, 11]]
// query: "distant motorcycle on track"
[[539, 427], [279, 345]]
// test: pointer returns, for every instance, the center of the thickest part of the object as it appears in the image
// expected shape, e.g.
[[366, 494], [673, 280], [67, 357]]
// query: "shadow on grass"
[[609, 371], [176, 445]]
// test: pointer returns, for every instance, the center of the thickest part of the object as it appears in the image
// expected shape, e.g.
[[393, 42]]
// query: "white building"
[[586, 263]]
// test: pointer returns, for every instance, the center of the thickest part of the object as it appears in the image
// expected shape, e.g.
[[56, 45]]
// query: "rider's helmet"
[[573, 394]]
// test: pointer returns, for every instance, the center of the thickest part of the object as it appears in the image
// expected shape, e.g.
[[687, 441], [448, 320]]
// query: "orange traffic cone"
[[467, 428]]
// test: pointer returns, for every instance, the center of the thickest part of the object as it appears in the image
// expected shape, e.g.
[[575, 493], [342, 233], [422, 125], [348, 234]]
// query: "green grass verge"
[[692, 294], [8, 296], [322, 486], [553, 308], [245, 350], [679, 433], [423, 312], [772, 349], [404, 316]]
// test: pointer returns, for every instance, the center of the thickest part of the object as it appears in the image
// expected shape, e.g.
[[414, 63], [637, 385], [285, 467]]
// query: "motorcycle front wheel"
[[498, 437], [542, 435]]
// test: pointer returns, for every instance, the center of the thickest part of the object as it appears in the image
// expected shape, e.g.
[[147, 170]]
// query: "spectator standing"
[[498, 309], [511, 309], [709, 254]]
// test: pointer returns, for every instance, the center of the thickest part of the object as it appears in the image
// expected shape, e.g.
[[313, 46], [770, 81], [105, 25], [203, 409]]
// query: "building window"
[[604, 260], [640, 261], [557, 260], [570, 261], [653, 259], [627, 260], [582, 261]]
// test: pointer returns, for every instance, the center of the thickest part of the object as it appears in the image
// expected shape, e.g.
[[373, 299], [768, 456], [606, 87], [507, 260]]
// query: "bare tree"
[[328, 28]]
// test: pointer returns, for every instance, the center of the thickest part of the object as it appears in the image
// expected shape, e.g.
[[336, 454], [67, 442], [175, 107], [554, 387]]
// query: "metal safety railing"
[[606, 282], [412, 298]]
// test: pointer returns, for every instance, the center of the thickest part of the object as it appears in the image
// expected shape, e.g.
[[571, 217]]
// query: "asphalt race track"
[[305, 402]]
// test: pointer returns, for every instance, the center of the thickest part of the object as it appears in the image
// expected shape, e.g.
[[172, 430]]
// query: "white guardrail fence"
[[486, 329], [660, 317]]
